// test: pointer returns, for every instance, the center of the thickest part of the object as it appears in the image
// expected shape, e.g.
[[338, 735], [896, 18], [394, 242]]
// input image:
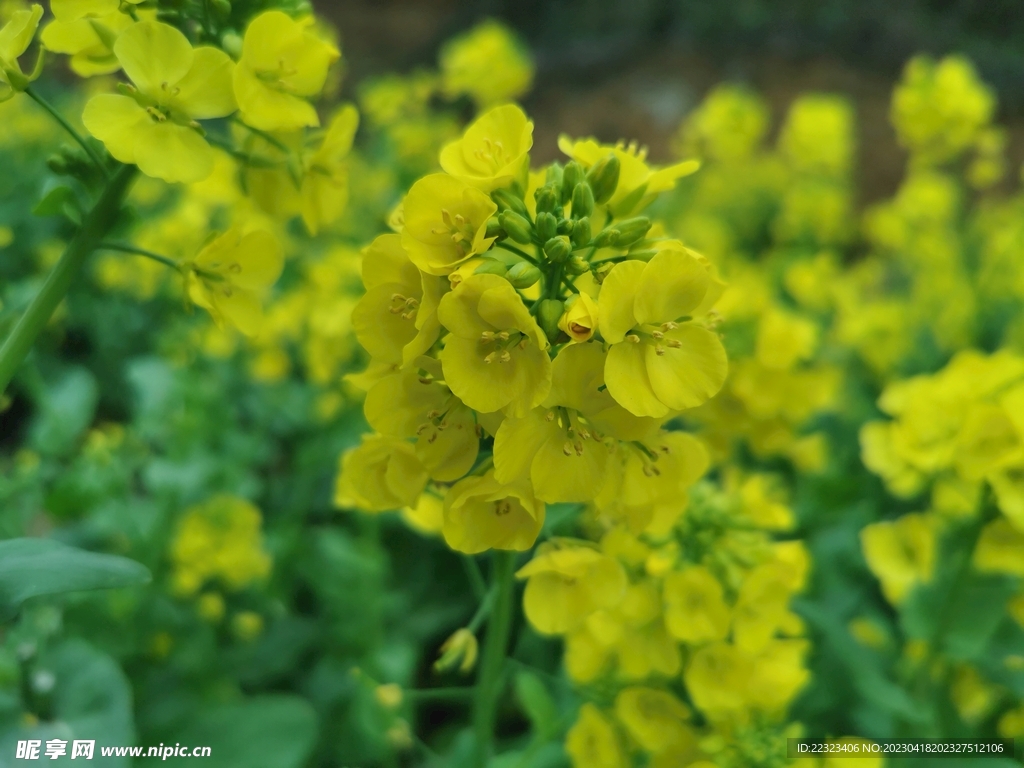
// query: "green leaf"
[[272, 731], [537, 704], [54, 202], [975, 609], [66, 409], [33, 567]]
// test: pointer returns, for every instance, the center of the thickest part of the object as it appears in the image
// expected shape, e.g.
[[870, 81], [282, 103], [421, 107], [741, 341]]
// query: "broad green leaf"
[[33, 567], [537, 704]]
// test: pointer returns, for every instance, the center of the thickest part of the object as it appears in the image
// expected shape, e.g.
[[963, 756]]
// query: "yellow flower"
[[89, 41], [494, 150], [566, 583], [407, 405], [580, 319], [656, 719], [560, 446], [480, 514], [460, 648], [247, 625], [15, 38], [219, 539], [1000, 549], [445, 223], [229, 274], [784, 339], [427, 515], [325, 183], [776, 675], [761, 608], [175, 85], [638, 183], [695, 609], [283, 63], [396, 319], [592, 741], [658, 362], [488, 63], [900, 553], [73, 10], [716, 678], [210, 607], [495, 355], [382, 474]]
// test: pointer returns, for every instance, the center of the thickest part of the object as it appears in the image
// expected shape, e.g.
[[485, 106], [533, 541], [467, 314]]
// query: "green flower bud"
[[58, 164], [223, 7], [494, 227], [491, 267], [571, 176], [632, 230], [547, 226], [603, 178], [577, 265], [547, 199], [507, 201], [517, 227], [644, 254], [581, 233], [549, 312], [606, 238], [554, 175], [565, 226], [231, 42], [582, 201], [558, 248], [523, 275]]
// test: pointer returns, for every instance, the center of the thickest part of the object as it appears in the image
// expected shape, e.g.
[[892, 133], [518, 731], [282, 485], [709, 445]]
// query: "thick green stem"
[[96, 224], [492, 665]]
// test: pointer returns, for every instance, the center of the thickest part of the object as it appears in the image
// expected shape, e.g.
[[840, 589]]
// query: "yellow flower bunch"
[[218, 542], [488, 63], [703, 601], [529, 335]]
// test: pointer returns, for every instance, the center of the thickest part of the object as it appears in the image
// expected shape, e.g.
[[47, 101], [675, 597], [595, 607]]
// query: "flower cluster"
[[529, 335]]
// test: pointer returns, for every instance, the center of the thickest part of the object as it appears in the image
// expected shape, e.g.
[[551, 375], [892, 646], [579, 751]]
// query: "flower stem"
[[517, 251], [127, 248], [492, 666], [96, 224], [70, 130]]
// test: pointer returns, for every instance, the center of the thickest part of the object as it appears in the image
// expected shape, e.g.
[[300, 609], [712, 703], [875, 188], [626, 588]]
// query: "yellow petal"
[[690, 375], [616, 301], [625, 373], [516, 444], [672, 286], [267, 109], [240, 308], [172, 152], [72, 10], [115, 120], [17, 34], [154, 56], [206, 90], [261, 260]]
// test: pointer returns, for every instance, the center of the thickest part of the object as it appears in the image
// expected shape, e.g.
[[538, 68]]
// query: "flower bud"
[[603, 178], [580, 318], [581, 232], [547, 226], [494, 228], [632, 230], [461, 648], [388, 695], [507, 201], [565, 226], [558, 248], [523, 274], [577, 265], [223, 7], [490, 267], [547, 199], [516, 226], [582, 201], [549, 312], [554, 176], [606, 238], [572, 175]]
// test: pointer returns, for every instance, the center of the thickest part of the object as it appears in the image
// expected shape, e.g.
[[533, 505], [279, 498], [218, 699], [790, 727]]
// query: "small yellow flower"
[[567, 583], [480, 514], [175, 85], [656, 719], [716, 678], [659, 362], [695, 609], [580, 319], [494, 150], [460, 648], [283, 63], [229, 275], [1000, 549], [325, 183], [488, 63], [445, 223], [15, 38], [900, 553], [210, 607], [592, 741], [89, 41], [247, 625], [381, 474], [496, 354]]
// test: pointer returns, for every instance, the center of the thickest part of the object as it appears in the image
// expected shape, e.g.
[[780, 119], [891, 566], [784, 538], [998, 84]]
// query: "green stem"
[[267, 137], [96, 224], [69, 128], [476, 579], [126, 248], [492, 665]]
